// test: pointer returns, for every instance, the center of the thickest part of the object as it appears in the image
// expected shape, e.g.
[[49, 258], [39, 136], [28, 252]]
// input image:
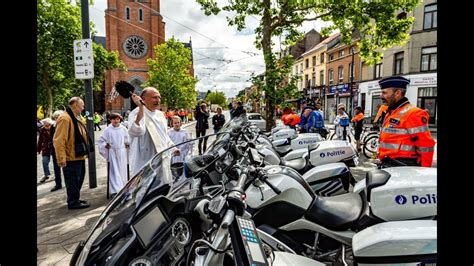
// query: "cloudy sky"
[[224, 58]]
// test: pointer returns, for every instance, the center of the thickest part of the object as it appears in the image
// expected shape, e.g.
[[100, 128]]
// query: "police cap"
[[394, 82], [308, 107]]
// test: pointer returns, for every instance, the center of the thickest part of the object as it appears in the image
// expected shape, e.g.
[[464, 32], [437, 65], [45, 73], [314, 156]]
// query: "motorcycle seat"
[[296, 164], [337, 213]]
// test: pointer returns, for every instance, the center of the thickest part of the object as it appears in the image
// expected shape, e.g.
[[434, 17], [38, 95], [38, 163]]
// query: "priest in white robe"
[[147, 127], [113, 145]]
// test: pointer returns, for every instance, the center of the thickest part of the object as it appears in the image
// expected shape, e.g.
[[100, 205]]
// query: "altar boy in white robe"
[[178, 136], [113, 145]]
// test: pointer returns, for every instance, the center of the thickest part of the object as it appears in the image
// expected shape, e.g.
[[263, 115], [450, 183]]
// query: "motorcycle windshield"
[[164, 174], [232, 127]]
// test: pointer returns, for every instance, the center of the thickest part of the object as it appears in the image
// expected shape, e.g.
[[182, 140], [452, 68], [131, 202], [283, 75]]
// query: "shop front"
[[422, 92], [334, 96]]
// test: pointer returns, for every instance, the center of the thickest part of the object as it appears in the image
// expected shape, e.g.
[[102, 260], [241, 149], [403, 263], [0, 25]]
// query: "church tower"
[[133, 28]]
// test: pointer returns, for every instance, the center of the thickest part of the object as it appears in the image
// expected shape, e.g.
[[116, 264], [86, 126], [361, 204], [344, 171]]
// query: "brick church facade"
[[133, 28]]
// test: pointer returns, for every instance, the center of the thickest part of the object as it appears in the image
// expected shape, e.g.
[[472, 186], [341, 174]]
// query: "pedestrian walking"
[[43, 147], [96, 120], [202, 124], [358, 121], [341, 122], [218, 120]]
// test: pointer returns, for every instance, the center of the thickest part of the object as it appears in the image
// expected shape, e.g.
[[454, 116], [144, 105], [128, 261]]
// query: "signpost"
[[83, 59], [84, 68]]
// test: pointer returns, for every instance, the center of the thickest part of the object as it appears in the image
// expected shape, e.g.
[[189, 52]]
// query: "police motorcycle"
[[393, 224], [170, 211], [369, 223], [327, 175], [390, 220]]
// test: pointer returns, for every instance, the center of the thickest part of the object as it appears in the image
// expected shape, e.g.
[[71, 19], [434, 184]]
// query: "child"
[[113, 145], [178, 136]]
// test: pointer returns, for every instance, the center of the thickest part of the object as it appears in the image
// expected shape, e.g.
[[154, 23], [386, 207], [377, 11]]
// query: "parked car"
[[258, 120]]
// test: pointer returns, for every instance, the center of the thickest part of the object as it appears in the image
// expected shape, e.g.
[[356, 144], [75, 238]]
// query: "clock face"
[[135, 47]]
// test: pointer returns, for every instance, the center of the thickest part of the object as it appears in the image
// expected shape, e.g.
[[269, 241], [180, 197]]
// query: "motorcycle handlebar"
[[263, 177], [275, 189]]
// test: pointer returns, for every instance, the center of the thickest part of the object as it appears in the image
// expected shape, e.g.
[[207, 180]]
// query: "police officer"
[[405, 135]]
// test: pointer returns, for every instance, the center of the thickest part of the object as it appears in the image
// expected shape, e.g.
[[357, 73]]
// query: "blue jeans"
[[57, 171], [46, 165], [74, 173]]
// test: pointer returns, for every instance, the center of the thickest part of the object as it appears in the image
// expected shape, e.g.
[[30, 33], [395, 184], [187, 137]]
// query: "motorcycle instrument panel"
[[149, 225]]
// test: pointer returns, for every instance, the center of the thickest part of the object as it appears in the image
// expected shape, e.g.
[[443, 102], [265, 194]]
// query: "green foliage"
[[169, 73], [240, 94], [58, 25], [374, 20], [216, 98]]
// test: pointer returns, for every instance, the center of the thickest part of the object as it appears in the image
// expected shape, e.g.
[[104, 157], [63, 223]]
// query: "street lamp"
[[352, 78]]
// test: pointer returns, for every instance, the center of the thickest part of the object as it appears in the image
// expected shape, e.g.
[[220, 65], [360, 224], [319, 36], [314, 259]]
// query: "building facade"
[[416, 61], [314, 76], [133, 28], [342, 78]]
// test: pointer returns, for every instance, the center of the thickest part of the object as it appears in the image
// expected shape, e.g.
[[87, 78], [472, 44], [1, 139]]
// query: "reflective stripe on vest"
[[402, 113], [397, 146], [419, 129], [414, 130], [404, 147], [425, 149]]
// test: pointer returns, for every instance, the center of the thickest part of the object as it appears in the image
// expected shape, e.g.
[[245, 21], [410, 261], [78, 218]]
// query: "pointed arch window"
[[140, 15], [127, 13]]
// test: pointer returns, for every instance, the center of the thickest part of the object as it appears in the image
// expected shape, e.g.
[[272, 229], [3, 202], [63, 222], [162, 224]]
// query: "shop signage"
[[424, 80], [343, 88]]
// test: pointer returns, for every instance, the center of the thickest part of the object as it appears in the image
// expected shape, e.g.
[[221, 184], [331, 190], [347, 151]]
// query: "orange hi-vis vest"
[[405, 134], [358, 117], [382, 109]]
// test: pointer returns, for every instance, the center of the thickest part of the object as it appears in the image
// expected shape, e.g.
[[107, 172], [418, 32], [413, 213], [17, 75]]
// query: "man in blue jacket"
[[312, 121]]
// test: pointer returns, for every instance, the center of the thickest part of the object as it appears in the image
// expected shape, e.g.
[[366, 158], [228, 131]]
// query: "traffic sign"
[[83, 59]]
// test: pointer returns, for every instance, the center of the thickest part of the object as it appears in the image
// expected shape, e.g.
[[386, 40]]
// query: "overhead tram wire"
[[225, 46], [147, 31], [144, 30]]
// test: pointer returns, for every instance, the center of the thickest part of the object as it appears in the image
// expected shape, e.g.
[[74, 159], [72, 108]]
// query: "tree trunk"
[[48, 112], [269, 82]]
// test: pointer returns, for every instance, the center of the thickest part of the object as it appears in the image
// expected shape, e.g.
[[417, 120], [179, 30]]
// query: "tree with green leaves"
[[216, 98], [169, 72], [376, 21], [58, 25]]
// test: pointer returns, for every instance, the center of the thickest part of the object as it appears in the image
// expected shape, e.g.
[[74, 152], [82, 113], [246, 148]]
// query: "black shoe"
[[79, 206], [83, 201], [55, 188], [43, 179]]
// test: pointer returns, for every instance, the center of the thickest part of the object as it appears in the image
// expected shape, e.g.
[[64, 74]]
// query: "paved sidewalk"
[[59, 229]]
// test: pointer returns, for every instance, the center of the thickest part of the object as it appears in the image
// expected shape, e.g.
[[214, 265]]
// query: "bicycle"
[[371, 146], [367, 131]]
